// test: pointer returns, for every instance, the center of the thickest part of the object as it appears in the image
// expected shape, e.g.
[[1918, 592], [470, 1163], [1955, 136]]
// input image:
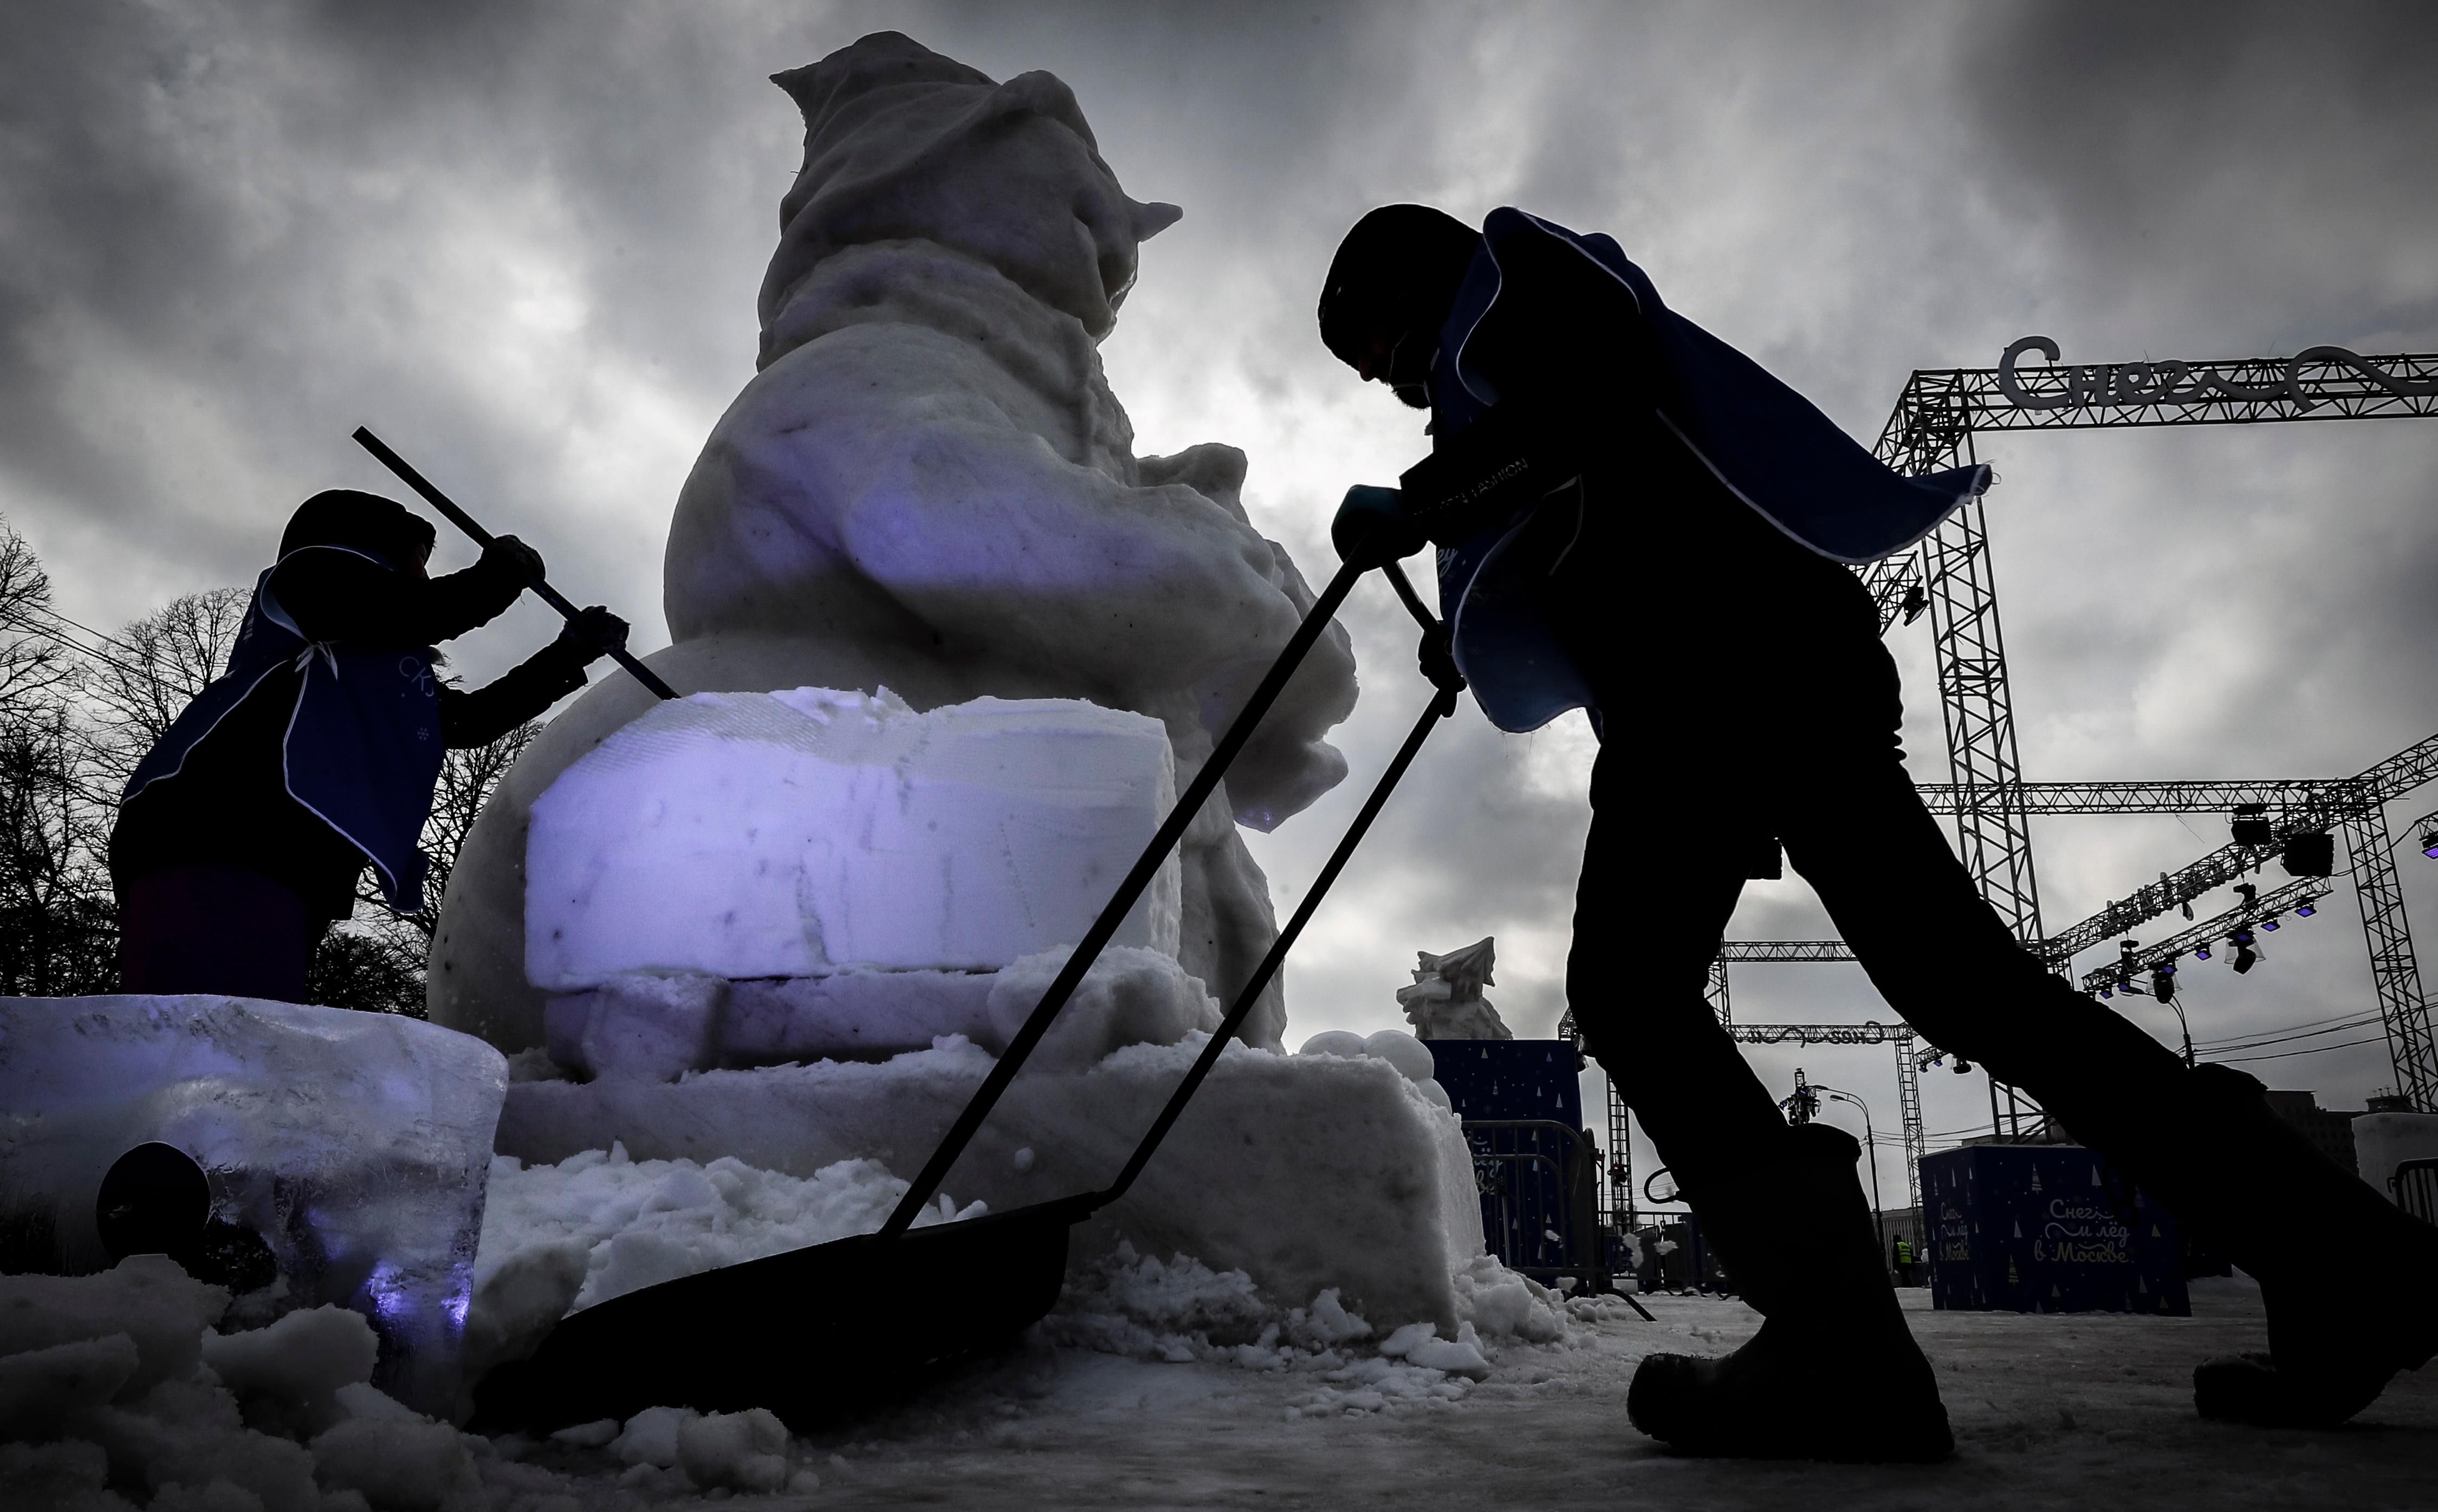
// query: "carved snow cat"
[[929, 487], [951, 654]]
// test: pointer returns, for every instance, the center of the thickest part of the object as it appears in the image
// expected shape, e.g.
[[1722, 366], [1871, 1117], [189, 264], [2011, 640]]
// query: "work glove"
[[1438, 662], [591, 635], [1372, 529], [511, 558]]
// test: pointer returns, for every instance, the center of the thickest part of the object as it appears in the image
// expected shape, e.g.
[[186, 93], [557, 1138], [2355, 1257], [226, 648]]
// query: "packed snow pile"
[[930, 487], [114, 1387], [599, 1225], [801, 833], [1341, 1167], [353, 1147], [1180, 1310], [116, 1392]]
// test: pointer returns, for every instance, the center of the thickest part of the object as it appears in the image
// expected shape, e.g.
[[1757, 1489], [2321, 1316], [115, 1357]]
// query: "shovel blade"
[[812, 1334]]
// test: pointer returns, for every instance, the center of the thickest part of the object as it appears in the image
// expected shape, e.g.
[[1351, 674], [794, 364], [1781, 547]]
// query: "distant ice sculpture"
[[354, 1145], [1445, 1001], [929, 487]]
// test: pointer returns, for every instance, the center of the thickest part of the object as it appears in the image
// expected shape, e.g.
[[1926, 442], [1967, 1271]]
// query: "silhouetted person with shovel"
[[1634, 519], [242, 833]]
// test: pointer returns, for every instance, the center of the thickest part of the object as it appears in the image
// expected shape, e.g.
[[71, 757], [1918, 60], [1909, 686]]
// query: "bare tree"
[[33, 666], [59, 931]]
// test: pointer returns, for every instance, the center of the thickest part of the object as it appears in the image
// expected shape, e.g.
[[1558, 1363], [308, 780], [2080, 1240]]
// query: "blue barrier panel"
[[1510, 1078], [2047, 1228]]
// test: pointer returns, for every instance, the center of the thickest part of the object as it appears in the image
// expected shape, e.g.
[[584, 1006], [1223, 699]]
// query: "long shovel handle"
[[1105, 927], [467, 522], [1442, 705]]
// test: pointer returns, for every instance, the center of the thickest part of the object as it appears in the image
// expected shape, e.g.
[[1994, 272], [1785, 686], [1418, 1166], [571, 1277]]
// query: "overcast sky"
[[523, 242]]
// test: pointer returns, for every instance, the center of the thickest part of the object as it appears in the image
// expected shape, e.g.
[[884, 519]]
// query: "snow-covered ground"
[[1156, 1383], [2049, 1412]]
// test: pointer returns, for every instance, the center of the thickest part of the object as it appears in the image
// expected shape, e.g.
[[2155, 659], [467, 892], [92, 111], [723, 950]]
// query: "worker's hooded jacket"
[[1547, 328], [362, 747], [319, 748]]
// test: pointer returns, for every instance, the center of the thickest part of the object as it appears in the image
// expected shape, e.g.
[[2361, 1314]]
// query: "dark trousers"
[[1780, 718], [214, 928]]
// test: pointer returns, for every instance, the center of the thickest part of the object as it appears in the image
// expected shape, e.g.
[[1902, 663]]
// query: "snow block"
[[355, 1145], [1307, 1171], [796, 833]]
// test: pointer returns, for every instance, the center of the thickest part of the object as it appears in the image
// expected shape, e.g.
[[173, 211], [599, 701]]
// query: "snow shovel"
[[465, 522], [817, 1333]]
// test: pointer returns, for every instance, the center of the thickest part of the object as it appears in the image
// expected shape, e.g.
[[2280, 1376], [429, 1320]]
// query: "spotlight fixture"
[[2201, 953], [2108, 992], [2244, 959], [1962, 1067], [2309, 856], [2305, 910], [2430, 844], [1915, 601], [2269, 924], [2163, 984]]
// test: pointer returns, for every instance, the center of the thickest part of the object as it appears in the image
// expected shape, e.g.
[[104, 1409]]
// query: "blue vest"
[[1766, 444], [363, 749]]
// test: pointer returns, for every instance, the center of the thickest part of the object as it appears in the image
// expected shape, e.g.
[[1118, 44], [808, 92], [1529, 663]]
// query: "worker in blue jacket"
[[1636, 519], [242, 833]]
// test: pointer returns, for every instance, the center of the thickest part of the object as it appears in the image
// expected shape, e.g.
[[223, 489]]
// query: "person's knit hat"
[[368, 522], [1397, 269]]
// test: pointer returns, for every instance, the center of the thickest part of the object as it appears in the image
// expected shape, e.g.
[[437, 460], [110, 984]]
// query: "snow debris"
[[115, 1394], [737, 1452], [1500, 1303], [1181, 1310], [599, 1225]]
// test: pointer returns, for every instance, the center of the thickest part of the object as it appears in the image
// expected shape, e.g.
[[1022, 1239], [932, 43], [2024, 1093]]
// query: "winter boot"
[[2334, 1342], [1834, 1373]]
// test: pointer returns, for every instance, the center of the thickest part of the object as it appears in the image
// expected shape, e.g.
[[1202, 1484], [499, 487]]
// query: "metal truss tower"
[[1934, 426]]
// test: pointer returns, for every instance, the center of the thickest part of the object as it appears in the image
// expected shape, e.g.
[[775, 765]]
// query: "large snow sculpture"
[[930, 487]]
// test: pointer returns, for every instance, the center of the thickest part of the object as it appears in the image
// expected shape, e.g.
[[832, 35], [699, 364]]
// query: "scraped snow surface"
[[1160, 1383], [794, 834]]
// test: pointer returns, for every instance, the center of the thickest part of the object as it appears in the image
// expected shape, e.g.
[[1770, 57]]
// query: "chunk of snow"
[[1306, 1171], [743, 1452], [354, 1145], [795, 834]]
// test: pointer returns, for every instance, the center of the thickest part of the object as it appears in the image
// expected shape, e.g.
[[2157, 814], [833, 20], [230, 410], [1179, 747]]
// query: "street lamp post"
[[1871, 1143]]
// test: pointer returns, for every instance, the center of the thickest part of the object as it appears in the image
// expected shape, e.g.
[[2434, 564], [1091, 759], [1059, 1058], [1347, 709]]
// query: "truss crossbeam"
[[2120, 973]]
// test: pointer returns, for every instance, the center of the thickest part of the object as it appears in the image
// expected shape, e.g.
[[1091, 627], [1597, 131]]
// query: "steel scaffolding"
[[1949, 577]]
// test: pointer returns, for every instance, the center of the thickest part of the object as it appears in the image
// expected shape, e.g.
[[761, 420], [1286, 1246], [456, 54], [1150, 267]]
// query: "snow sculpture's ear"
[[1152, 219]]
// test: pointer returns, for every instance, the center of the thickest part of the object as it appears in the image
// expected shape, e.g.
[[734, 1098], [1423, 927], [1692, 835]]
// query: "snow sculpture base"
[[356, 1144], [795, 834], [1307, 1171]]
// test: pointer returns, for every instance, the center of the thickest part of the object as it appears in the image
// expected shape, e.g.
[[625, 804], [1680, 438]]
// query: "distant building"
[[2330, 1130]]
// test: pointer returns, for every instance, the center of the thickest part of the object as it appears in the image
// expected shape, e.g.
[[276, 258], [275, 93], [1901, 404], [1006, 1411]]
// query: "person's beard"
[[1412, 395]]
